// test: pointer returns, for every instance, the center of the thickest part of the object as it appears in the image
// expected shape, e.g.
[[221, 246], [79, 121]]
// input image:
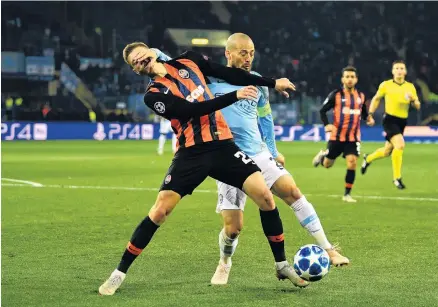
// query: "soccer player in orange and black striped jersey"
[[179, 92], [349, 107]]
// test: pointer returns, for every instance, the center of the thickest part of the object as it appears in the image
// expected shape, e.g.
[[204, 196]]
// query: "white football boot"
[[285, 271], [317, 159], [347, 198], [336, 258], [222, 273], [112, 283]]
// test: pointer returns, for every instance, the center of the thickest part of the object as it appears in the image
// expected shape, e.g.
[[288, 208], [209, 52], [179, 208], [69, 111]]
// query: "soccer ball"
[[311, 262]]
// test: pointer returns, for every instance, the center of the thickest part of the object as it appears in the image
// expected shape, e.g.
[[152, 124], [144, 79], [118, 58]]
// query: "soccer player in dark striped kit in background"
[[349, 108]]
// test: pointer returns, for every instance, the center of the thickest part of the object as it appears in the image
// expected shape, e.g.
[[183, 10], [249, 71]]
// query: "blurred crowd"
[[308, 42]]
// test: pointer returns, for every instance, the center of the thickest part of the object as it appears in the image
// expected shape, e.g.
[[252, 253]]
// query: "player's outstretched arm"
[[173, 107], [238, 76]]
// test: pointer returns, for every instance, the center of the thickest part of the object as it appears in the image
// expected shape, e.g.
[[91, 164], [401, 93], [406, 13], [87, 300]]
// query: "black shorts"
[[393, 125], [335, 148], [221, 160]]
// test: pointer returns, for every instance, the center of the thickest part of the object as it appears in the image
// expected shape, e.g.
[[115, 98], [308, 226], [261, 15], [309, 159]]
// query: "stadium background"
[[62, 61], [68, 207]]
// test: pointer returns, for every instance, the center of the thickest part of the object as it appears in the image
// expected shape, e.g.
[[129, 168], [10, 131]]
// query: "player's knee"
[[400, 146], [233, 231], [266, 200], [292, 194], [352, 163], [163, 206], [387, 152], [328, 164]]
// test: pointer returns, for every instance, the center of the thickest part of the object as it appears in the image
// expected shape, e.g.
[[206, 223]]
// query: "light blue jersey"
[[243, 116]]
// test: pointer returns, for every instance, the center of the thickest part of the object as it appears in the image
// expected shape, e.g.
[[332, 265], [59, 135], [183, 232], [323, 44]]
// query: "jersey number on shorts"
[[358, 147], [244, 157]]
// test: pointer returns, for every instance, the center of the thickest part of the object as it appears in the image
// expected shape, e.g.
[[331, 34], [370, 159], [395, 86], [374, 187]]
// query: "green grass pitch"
[[62, 240]]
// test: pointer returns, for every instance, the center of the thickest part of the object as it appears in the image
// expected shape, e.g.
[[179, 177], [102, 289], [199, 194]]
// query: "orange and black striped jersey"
[[183, 97], [348, 108]]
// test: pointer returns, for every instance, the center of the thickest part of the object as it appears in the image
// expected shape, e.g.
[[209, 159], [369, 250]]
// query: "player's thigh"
[[334, 150], [229, 198], [398, 141], [271, 169], [232, 166], [394, 127], [187, 171]]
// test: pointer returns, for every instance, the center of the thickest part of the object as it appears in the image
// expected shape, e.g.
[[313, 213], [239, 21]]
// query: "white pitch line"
[[90, 187], [31, 183]]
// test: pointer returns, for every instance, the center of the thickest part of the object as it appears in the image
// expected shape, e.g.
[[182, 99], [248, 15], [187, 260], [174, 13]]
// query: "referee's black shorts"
[[393, 125], [221, 160]]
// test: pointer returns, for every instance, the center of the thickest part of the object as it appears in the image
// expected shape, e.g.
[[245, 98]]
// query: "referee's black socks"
[[139, 240], [273, 229]]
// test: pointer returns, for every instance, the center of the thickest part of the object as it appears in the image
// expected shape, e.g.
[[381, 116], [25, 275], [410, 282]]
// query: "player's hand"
[[329, 128], [370, 121], [280, 159], [143, 57], [283, 84], [416, 104], [247, 92]]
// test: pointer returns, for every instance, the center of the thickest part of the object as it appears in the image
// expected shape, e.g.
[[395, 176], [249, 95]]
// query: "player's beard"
[[241, 67]]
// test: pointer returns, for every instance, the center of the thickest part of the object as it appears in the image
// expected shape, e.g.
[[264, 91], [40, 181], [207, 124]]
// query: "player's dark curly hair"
[[349, 68]]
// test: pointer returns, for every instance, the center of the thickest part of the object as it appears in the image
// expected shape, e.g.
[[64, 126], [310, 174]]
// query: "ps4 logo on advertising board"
[[117, 131], [24, 131]]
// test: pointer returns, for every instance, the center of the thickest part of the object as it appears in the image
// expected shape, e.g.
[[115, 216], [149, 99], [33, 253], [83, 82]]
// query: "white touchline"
[[31, 183], [21, 183]]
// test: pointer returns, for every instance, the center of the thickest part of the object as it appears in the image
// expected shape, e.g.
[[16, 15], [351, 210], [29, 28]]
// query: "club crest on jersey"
[[221, 198], [167, 179], [183, 74], [159, 107]]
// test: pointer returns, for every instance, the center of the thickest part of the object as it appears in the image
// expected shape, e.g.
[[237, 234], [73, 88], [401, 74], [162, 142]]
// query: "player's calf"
[[286, 188], [349, 178]]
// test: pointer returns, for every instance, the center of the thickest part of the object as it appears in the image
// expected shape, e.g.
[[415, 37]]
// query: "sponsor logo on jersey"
[[346, 110], [195, 94]]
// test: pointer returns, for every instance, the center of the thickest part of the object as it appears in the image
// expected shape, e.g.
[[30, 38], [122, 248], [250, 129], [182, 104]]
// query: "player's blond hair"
[[130, 47]]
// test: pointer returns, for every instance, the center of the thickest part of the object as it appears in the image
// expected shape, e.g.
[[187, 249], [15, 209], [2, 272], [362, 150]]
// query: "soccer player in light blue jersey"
[[243, 118]]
